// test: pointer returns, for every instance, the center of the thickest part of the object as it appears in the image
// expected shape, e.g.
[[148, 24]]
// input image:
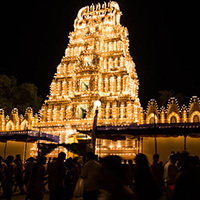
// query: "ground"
[[17, 196]]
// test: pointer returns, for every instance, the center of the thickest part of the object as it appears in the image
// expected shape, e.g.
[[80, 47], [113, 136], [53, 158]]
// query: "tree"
[[165, 95], [18, 96], [26, 96]]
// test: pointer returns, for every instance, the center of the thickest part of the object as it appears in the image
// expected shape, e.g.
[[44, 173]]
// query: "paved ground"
[[17, 196]]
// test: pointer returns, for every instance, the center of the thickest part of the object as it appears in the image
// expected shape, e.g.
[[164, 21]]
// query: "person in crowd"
[[112, 185], [78, 162], [100, 159], [172, 152], [57, 173], [9, 172], [35, 187], [68, 179], [19, 174], [186, 183], [3, 166], [90, 174], [129, 170], [75, 173], [161, 167], [170, 172], [28, 169], [145, 185], [157, 173], [197, 168]]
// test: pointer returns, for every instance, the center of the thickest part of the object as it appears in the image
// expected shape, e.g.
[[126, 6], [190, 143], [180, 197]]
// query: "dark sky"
[[164, 42]]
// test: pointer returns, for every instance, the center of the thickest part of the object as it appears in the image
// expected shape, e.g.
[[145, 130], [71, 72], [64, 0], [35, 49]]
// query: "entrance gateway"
[[97, 66]]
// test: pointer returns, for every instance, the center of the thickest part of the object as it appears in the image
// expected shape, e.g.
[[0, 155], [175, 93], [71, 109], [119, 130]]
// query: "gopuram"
[[97, 65]]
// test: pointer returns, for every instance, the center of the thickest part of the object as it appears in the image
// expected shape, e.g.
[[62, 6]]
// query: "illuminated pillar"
[[105, 46], [116, 62], [118, 83], [64, 88], [110, 64], [62, 113], [105, 64], [110, 46], [101, 45], [184, 115], [49, 113], [162, 115], [124, 84], [72, 52], [114, 46], [101, 63], [70, 88], [129, 109], [53, 88], [69, 112], [106, 84], [67, 52], [114, 84], [121, 61], [55, 113], [114, 110], [122, 110], [107, 110], [57, 88]]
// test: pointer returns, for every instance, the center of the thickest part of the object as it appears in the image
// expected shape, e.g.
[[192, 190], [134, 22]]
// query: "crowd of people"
[[108, 178]]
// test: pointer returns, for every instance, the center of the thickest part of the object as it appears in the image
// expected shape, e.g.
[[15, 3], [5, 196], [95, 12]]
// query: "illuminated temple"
[[97, 65]]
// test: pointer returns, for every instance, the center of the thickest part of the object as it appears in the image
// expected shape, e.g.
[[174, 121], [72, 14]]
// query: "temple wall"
[[164, 145]]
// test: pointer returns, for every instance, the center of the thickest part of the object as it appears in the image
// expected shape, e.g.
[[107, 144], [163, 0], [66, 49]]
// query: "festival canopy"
[[150, 130], [27, 136]]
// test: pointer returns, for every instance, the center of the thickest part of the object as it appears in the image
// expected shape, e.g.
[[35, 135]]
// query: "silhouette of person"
[[35, 187], [129, 171], [112, 185], [170, 172], [145, 185], [19, 174], [186, 183], [90, 174], [9, 172], [157, 173], [28, 169], [57, 173]]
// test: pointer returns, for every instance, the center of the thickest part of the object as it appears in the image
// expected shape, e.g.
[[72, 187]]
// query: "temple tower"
[[97, 66]]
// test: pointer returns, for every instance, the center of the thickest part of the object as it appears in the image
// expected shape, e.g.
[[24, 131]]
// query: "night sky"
[[164, 42]]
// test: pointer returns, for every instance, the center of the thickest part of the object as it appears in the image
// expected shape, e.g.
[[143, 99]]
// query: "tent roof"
[[147, 130], [27, 135]]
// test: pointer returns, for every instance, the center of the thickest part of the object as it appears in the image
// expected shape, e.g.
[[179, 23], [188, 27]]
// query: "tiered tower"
[[97, 66]]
